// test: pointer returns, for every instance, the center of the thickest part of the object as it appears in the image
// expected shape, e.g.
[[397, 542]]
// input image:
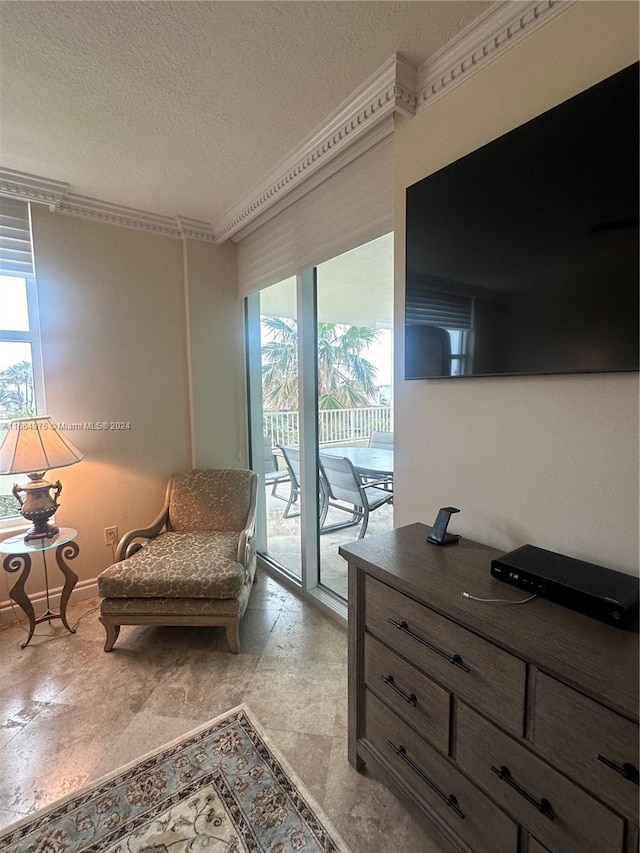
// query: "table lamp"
[[32, 446]]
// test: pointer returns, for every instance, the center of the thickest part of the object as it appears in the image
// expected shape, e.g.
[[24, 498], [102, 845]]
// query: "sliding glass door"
[[272, 329], [355, 368], [319, 357]]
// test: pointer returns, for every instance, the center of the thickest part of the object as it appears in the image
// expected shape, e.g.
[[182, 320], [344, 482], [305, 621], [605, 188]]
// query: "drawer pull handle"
[[410, 698], [629, 771], [543, 806], [449, 799], [456, 660]]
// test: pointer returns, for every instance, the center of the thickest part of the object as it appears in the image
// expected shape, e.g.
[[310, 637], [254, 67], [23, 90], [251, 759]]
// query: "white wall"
[[114, 305], [217, 356], [552, 461], [113, 342]]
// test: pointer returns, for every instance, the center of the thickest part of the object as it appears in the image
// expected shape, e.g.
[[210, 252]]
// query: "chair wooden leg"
[[112, 634], [233, 636]]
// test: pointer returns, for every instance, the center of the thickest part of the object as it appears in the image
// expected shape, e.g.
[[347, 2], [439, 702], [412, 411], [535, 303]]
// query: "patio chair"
[[273, 474], [291, 456], [292, 460], [381, 440], [343, 483], [197, 563]]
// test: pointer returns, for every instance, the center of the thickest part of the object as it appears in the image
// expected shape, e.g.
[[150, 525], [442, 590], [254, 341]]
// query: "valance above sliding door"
[[349, 208]]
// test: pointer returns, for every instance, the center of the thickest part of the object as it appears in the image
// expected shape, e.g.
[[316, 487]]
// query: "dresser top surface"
[[592, 656]]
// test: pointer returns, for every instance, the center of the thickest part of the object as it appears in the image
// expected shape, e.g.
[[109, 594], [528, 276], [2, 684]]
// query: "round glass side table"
[[18, 559]]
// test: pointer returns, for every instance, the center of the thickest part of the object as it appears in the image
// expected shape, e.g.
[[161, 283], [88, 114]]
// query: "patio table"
[[371, 462]]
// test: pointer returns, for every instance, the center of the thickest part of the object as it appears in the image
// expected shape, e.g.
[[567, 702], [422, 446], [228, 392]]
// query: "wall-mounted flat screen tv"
[[522, 257]]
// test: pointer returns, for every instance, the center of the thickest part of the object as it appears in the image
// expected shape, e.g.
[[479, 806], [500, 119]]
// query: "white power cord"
[[498, 600]]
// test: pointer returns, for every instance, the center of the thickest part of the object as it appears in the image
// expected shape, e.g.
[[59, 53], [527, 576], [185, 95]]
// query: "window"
[[459, 351], [429, 303], [21, 391]]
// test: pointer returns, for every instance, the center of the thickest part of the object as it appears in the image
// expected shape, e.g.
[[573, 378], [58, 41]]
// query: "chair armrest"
[[246, 551], [128, 546], [246, 543], [375, 483]]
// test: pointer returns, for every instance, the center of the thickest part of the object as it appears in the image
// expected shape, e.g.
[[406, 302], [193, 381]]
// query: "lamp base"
[[38, 506], [42, 530]]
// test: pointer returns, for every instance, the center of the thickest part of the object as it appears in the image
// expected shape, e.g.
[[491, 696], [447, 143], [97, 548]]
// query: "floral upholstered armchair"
[[194, 565]]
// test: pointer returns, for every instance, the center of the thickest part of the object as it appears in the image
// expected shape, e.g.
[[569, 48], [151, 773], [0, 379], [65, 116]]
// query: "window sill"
[[12, 527]]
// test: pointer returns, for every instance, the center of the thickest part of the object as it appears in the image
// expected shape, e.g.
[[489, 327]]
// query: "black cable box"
[[602, 593]]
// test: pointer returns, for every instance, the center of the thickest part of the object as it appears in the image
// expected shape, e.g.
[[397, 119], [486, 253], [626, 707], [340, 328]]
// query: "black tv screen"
[[522, 257]]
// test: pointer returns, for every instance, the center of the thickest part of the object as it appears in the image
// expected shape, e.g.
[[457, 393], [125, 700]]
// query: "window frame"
[[32, 337]]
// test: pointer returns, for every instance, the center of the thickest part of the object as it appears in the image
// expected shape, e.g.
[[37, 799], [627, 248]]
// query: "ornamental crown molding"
[[390, 90], [56, 195], [113, 214], [25, 187], [361, 121], [483, 41], [396, 88], [195, 229]]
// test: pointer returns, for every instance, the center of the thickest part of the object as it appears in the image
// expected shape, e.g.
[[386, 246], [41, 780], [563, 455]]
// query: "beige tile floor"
[[283, 540], [71, 713]]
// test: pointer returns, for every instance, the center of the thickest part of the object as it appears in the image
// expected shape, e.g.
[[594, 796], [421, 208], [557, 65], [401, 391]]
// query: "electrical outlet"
[[110, 535]]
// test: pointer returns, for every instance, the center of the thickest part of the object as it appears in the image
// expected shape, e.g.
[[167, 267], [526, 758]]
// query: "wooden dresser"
[[514, 728]]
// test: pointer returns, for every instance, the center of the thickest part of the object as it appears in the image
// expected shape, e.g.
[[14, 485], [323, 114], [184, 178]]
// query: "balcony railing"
[[335, 426]]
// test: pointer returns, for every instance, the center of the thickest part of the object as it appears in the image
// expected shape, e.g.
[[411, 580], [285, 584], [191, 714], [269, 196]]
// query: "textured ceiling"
[[181, 107]]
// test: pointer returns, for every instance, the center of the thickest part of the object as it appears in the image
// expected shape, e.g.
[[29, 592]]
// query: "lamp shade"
[[35, 444]]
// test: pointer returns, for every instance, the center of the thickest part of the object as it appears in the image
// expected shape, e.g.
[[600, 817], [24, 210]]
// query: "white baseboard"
[[10, 612]]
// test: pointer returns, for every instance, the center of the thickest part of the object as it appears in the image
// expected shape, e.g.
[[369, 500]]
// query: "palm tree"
[[16, 389], [345, 377], [280, 365]]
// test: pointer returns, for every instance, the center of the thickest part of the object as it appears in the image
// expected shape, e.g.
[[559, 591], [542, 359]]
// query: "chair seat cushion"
[[178, 565], [270, 476], [376, 496], [199, 608]]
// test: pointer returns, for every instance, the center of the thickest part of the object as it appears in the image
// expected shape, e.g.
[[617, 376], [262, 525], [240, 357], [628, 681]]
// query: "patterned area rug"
[[220, 788]]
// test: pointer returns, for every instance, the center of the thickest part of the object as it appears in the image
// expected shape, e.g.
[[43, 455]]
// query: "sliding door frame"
[[307, 316], [254, 402], [306, 293]]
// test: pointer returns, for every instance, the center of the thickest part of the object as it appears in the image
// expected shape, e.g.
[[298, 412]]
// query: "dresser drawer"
[[471, 667], [414, 697], [574, 822], [573, 731], [425, 773]]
